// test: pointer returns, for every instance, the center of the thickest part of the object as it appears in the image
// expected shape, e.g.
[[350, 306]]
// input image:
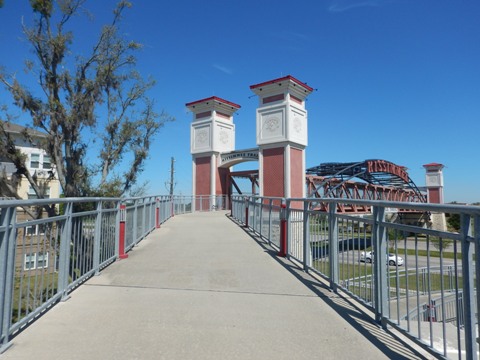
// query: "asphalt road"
[[410, 261], [349, 253]]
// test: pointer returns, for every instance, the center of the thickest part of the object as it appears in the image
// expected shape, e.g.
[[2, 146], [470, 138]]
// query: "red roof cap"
[[288, 77], [214, 98], [433, 164]]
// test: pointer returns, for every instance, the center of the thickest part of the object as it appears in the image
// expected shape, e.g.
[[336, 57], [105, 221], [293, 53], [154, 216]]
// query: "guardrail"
[[431, 297], [43, 258]]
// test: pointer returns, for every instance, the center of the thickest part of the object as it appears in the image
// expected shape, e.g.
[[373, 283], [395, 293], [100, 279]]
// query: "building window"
[[47, 163], [34, 161], [31, 230], [30, 261], [33, 195], [35, 230], [34, 261], [42, 260]]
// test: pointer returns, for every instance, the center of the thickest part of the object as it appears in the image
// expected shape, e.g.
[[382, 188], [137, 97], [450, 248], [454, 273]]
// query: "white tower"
[[434, 183], [212, 132], [282, 136]]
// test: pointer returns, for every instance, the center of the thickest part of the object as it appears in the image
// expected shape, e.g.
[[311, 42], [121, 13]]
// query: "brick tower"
[[282, 136], [434, 183], [212, 132]]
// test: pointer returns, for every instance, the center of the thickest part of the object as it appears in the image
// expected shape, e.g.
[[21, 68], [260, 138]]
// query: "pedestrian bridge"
[[168, 278], [203, 287]]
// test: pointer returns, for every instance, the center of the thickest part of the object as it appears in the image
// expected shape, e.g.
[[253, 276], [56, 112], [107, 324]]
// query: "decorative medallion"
[[224, 138], [272, 124], [201, 136]]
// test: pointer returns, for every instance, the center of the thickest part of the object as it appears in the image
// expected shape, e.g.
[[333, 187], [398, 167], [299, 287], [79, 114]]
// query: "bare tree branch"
[[72, 91]]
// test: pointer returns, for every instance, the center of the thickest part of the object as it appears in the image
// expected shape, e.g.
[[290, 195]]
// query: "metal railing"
[[421, 281], [43, 258], [211, 203]]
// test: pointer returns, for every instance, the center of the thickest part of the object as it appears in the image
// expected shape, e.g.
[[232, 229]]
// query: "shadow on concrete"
[[386, 341]]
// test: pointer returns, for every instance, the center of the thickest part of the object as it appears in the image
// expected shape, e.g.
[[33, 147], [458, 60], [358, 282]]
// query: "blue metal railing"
[[439, 273]]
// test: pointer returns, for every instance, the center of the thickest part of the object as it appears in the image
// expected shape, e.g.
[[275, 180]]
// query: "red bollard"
[[283, 231], [121, 240], [157, 214]]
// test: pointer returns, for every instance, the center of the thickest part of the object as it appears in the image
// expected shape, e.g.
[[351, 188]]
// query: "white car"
[[392, 260]]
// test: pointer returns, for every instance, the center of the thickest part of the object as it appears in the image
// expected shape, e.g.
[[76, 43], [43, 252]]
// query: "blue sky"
[[395, 79]]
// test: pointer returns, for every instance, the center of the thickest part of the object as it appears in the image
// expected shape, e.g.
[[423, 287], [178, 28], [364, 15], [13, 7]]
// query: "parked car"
[[392, 260]]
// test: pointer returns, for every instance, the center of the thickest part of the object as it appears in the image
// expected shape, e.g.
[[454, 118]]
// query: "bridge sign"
[[235, 157]]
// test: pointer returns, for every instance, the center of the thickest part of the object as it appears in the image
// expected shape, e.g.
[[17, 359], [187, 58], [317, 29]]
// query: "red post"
[[157, 213], [121, 240], [283, 231]]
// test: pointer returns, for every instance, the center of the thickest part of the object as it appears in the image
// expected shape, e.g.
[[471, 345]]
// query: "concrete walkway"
[[202, 288]]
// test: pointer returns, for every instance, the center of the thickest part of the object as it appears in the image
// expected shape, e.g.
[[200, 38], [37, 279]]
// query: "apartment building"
[[33, 242], [38, 162]]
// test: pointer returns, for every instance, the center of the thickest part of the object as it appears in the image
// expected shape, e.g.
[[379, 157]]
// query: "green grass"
[[31, 291], [432, 253], [425, 282], [422, 282]]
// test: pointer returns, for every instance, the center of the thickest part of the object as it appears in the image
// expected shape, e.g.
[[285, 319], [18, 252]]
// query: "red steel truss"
[[380, 180], [321, 187]]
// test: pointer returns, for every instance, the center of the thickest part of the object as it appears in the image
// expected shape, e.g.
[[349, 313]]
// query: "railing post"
[[254, 214], [7, 272], [121, 240], [246, 212], [144, 217], [135, 222], [172, 209], [379, 260], [64, 258], [468, 247], [476, 226], [163, 209], [333, 245], [260, 217], [151, 214], [97, 238], [270, 208], [157, 213], [148, 213], [283, 230], [306, 237]]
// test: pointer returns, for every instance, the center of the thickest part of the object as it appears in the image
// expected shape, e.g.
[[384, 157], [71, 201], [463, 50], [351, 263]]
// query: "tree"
[[73, 90], [440, 243], [453, 221]]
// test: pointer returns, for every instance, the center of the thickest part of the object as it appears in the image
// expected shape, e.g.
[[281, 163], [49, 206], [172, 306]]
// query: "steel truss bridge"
[[365, 180], [380, 180]]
